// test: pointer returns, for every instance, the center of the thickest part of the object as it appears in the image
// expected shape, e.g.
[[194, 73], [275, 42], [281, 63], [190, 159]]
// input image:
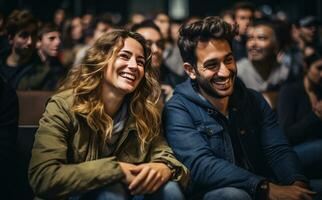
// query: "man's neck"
[[15, 60], [221, 104], [265, 67]]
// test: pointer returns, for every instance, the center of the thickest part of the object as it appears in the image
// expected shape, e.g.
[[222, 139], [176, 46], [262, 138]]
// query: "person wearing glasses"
[[155, 41]]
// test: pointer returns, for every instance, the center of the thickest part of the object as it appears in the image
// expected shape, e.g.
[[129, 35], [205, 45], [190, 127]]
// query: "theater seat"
[[31, 107]]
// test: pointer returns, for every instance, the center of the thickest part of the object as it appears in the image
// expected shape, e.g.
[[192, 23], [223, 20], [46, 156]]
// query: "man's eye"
[[262, 38], [211, 66], [229, 60]]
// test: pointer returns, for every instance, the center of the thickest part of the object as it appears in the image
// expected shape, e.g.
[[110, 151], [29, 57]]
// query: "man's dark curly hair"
[[203, 30]]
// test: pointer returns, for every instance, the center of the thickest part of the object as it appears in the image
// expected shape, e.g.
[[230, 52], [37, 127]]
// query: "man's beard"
[[205, 85]]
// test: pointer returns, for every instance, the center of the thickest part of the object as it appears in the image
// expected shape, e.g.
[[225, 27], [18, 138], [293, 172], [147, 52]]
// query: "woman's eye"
[[124, 56], [140, 63]]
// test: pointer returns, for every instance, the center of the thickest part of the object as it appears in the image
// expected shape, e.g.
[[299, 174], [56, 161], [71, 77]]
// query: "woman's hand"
[[149, 177], [127, 169]]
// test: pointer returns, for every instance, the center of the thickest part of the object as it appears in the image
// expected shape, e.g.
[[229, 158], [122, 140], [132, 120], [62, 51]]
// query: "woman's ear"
[[189, 70]]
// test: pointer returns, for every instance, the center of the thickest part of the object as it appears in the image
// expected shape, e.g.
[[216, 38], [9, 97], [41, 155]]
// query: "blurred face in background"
[[49, 44], [77, 30], [24, 42], [308, 33], [163, 22], [155, 42], [261, 43], [100, 29], [59, 17], [243, 18]]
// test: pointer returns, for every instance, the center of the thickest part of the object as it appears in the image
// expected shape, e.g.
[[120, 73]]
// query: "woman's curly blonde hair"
[[86, 82]]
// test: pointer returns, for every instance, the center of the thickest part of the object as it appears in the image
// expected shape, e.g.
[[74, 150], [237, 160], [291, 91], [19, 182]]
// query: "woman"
[[99, 138], [300, 114]]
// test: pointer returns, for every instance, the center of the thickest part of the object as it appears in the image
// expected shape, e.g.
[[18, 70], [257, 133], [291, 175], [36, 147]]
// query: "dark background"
[[44, 9]]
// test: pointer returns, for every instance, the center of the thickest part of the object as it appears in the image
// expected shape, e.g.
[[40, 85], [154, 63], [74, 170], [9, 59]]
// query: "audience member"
[[300, 114], [100, 137], [261, 71], [48, 44], [243, 16], [226, 134], [153, 36], [20, 66], [171, 52]]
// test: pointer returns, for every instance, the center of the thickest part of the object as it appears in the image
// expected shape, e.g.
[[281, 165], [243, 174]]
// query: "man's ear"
[[189, 70]]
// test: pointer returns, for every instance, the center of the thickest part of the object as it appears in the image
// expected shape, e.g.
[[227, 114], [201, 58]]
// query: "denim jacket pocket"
[[213, 134]]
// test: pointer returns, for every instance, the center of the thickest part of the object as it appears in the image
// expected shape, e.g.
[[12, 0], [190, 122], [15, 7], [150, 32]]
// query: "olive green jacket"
[[66, 156]]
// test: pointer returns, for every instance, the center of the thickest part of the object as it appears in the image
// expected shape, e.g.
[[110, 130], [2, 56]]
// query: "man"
[[243, 14], [153, 35], [20, 66], [261, 71], [308, 41], [48, 44], [225, 134]]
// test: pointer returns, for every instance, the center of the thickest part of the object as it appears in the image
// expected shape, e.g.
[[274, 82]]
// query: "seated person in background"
[[226, 134], [100, 137], [20, 65], [152, 34], [243, 14], [48, 44], [308, 35], [300, 114], [261, 70], [96, 29]]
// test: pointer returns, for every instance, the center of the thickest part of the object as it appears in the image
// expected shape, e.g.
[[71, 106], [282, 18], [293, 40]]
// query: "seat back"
[[31, 106]]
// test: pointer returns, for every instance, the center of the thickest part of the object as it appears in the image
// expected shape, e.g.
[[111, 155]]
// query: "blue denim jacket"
[[198, 134]]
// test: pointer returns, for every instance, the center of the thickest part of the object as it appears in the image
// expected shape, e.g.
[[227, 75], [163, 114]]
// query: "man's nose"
[[29, 40], [223, 70]]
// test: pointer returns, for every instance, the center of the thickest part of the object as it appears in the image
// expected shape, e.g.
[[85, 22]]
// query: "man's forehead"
[[31, 28], [214, 48]]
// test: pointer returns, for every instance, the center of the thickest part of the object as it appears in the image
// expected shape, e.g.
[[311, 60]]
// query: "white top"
[[252, 79]]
